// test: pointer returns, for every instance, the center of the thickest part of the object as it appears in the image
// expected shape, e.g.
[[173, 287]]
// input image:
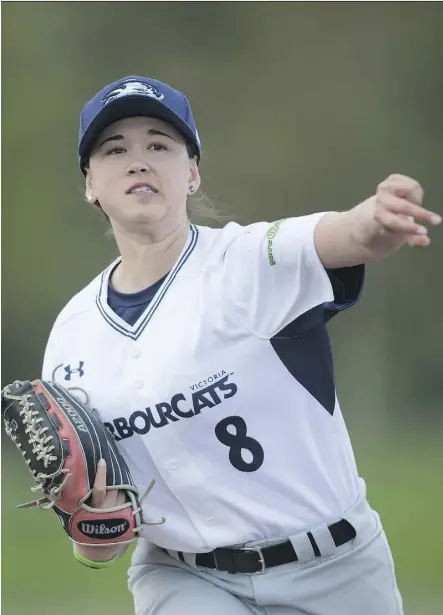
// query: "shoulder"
[[215, 242], [259, 242], [82, 302], [222, 237], [220, 240]]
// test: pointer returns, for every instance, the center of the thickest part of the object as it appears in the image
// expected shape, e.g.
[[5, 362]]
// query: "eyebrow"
[[151, 131]]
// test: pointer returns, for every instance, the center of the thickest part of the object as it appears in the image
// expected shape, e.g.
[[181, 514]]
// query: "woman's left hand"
[[399, 210]]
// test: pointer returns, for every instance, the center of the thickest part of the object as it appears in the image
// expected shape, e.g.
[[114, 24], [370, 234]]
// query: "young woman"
[[206, 352]]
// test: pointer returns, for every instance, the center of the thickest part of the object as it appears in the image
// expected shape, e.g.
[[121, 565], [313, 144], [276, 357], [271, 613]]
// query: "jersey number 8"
[[237, 442]]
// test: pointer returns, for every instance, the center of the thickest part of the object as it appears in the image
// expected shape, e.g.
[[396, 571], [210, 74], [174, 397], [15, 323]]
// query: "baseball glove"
[[62, 440]]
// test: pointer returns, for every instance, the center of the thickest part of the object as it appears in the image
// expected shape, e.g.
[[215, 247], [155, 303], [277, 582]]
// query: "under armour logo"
[[78, 370]]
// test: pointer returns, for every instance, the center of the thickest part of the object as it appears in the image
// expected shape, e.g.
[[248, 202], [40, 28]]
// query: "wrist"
[[99, 554], [96, 557], [372, 236]]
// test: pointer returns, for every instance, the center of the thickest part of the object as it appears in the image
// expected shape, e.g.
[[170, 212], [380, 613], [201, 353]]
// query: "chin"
[[147, 214]]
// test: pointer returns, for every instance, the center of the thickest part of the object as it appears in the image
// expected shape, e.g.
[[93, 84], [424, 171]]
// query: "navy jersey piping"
[[135, 331]]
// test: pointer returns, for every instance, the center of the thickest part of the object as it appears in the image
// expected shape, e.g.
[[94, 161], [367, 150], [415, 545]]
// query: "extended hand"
[[398, 204]]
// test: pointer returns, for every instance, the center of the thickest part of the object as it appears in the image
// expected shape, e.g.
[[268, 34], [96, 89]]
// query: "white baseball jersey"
[[223, 389]]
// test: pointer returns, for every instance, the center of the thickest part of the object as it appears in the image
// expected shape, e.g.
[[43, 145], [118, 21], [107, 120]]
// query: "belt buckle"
[[261, 559]]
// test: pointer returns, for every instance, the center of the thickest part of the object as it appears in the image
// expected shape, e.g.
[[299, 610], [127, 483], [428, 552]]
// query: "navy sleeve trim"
[[347, 285]]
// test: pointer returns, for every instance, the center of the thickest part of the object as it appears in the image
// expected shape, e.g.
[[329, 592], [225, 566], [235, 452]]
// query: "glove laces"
[[40, 442], [42, 448]]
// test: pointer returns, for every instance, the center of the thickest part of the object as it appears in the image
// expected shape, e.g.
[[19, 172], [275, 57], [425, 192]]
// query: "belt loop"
[[173, 554], [303, 547], [189, 558], [314, 544], [324, 540]]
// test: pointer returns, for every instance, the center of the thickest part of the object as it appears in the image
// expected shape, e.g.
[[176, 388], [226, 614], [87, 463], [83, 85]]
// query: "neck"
[[147, 257]]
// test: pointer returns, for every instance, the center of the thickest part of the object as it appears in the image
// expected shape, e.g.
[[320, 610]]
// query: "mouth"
[[142, 188]]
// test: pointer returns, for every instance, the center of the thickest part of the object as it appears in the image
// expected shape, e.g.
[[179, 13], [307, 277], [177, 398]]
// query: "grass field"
[[40, 576]]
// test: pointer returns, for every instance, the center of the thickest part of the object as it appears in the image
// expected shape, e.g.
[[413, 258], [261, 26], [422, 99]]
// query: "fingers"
[[418, 241], [403, 186], [99, 487], [398, 205], [398, 209], [400, 224], [101, 496]]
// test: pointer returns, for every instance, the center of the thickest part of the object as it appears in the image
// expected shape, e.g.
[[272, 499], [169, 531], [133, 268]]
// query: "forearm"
[[344, 239]]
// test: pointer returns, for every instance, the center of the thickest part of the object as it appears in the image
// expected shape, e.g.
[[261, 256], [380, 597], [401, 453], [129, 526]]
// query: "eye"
[[158, 147], [114, 150]]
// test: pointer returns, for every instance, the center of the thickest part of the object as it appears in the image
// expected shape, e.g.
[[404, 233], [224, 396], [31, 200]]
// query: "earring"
[[89, 197], [191, 189]]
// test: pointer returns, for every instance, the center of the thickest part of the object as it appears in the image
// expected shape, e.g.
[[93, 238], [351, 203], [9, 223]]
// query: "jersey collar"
[[117, 323]]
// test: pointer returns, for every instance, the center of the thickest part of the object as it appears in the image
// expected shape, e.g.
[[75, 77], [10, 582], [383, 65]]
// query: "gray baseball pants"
[[357, 578]]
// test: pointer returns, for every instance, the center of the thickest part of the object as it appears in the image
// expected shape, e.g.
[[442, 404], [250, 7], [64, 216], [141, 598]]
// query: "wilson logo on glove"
[[105, 529]]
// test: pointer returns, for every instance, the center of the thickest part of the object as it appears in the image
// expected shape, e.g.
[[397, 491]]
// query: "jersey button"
[[138, 384], [211, 521], [135, 353], [172, 465]]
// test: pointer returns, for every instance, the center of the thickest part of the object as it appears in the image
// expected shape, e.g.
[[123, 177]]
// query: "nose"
[[137, 167]]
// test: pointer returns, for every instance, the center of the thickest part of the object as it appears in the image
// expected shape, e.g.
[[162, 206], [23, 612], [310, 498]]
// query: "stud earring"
[[191, 189]]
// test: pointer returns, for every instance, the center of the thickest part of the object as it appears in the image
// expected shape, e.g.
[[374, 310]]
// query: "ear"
[[90, 195], [194, 177]]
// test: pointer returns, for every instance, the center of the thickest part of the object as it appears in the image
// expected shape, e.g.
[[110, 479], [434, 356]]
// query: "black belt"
[[249, 560]]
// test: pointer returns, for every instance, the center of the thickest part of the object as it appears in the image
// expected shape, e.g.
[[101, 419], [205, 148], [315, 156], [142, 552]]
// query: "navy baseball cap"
[[129, 97]]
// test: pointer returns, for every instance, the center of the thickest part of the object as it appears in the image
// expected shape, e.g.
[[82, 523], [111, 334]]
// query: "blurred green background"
[[301, 107]]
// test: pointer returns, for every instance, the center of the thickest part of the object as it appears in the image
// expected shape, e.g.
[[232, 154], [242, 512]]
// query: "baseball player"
[[206, 354]]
